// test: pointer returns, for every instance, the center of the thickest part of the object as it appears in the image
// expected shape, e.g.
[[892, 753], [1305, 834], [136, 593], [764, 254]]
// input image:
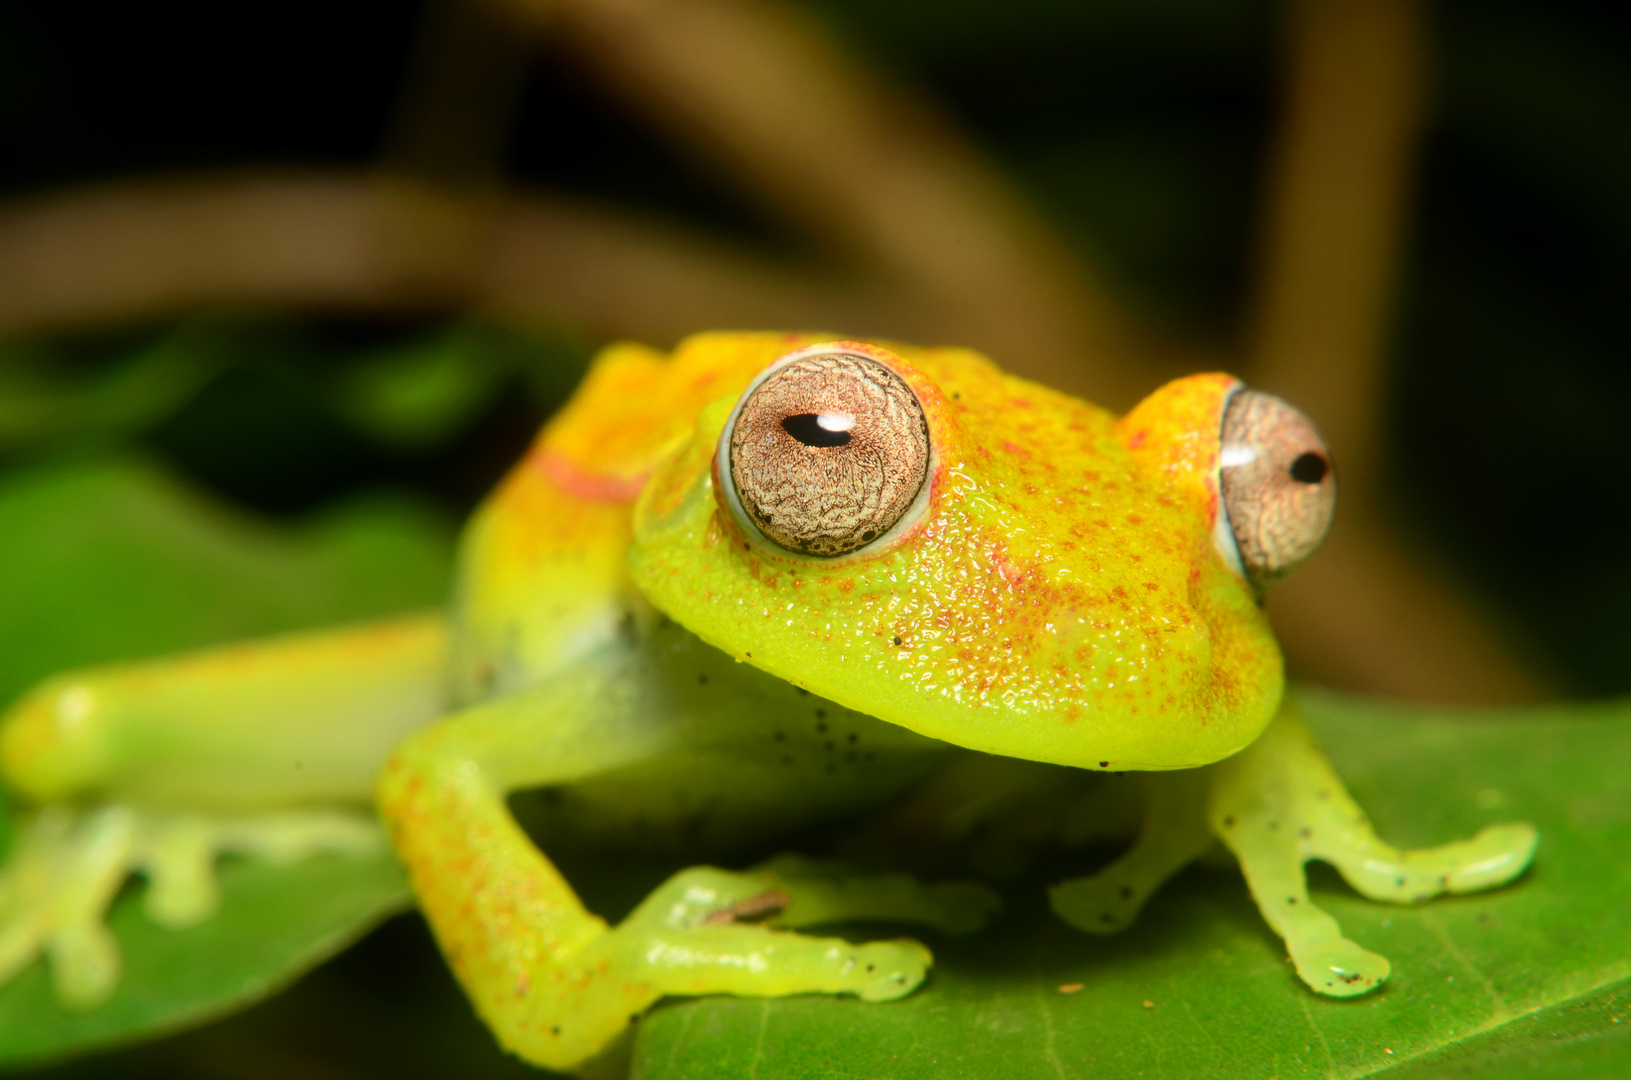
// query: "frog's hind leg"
[[1279, 803], [265, 750], [1174, 834]]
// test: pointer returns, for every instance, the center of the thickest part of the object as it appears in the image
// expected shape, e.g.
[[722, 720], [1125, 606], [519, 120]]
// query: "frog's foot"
[[67, 865], [1175, 833], [709, 931], [1279, 804], [821, 891]]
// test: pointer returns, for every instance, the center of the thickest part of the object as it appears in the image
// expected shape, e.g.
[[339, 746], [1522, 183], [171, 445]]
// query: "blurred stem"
[[1337, 202], [765, 93], [460, 95], [1366, 613]]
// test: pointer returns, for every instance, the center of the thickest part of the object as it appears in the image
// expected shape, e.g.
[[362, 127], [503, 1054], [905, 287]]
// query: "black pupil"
[[805, 429], [1309, 468]]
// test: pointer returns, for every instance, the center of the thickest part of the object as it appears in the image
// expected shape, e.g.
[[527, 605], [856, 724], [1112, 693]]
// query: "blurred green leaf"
[[1519, 982], [40, 402], [111, 561], [114, 561], [419, 394]]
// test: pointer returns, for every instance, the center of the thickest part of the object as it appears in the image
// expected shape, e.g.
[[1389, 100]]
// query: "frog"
[[760, 583]]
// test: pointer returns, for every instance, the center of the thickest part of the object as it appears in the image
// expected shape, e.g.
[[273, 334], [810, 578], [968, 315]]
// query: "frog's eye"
[[1278, 484], [826, 453]]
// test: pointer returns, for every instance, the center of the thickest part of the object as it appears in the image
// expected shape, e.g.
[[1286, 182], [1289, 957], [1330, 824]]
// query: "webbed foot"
[[67, 865], [1276, 805]]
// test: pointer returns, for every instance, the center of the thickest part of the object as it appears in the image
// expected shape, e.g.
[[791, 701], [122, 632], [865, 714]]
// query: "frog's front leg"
[[1174, 834], [554, 981], [1276, 805], [1279, 803]]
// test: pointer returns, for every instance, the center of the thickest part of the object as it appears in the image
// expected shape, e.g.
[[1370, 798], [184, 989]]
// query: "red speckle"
[[1137, 441], [587, 485]]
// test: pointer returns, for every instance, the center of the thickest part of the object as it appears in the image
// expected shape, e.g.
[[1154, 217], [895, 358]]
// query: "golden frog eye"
[[1278, 484], [827, 452]]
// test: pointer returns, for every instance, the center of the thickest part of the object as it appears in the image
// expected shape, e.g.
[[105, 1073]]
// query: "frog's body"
[[699, 647]]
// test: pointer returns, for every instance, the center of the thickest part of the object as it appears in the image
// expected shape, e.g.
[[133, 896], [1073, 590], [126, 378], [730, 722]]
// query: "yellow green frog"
[[768, 581]]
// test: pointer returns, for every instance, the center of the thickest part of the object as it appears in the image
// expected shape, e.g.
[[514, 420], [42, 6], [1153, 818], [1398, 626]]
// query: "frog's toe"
[[1494, 857], [294, 836], [1102, 904], [85, 964], [1382, 872], [181, 886], [886, 970], [1339, 968]]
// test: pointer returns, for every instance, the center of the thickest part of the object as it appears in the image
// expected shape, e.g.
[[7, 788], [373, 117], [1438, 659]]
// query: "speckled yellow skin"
[[1061, 597]]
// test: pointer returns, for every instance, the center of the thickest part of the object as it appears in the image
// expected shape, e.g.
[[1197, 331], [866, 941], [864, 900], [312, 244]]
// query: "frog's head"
[[916, 535]]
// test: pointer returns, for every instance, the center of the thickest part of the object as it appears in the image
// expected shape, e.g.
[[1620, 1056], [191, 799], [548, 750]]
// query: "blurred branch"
[[1366, 613], [349, 241], [1336, 215], [764, 91]]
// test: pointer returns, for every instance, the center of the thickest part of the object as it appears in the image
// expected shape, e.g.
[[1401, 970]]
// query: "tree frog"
[[767, 581]]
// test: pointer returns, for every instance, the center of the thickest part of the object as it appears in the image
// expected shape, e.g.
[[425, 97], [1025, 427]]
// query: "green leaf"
[[422, 392], [40, 403], [117, 560], [1536, 976], [419, 394]]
